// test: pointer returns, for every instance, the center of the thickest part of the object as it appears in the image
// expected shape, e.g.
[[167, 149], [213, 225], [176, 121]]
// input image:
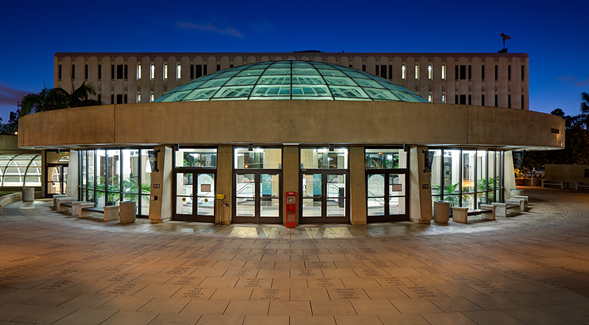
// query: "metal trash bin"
[[441, 211], [127, 211]]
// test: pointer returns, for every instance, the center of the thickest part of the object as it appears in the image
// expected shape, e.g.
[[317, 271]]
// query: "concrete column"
[[290, 176], [450, 80], [80, 75], [43, 174], [119, 84], [225, 183], [424, 77], [160, 210], [397, 64], [516, 83], [225, 62], [477, 71], [437, 80], [489, 81], [158, 80], [237, 61], [145, 80], [172, 74], [131, 89], [66, 73], [185, 64], [503, 82], [357, 187], [105, 81], [371, 65], [73, 172], [508, 174], [410, 73], [420, 196]]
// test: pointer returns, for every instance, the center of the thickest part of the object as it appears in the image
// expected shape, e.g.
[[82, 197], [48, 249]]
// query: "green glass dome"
[[290, 80]]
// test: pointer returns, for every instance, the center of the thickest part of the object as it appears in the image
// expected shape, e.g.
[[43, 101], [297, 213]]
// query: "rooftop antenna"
[[505, 37]]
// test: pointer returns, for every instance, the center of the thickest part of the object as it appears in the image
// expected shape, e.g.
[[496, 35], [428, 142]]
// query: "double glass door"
[[56, 179], [257, 197], [386, 196], [195, 196], [324, 197]]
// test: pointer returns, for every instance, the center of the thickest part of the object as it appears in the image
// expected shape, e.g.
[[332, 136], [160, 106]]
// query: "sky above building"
[[553, 34]]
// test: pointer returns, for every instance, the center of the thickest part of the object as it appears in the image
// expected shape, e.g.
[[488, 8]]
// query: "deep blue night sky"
[[554, 34]]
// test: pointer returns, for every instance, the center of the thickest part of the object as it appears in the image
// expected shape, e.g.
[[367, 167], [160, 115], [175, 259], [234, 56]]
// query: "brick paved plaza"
[[531, 268]]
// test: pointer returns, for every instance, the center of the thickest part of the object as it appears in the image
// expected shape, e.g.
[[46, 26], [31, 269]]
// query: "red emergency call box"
[[291, 209]]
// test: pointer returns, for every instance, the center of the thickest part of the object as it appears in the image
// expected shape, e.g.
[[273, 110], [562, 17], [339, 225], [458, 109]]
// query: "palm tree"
[[585, 108], [79, 97]]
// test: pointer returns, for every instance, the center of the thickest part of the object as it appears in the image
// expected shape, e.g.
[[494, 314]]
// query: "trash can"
[[127, 212], [28, 194], [441, 211]]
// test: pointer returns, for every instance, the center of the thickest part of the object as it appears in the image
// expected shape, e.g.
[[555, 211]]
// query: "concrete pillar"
[[420, 196], [437, 80], [508, 174], [225, 183], [490, 81], [290, 176], [357, 187], [160, 210], [450, 80], [73, 172]]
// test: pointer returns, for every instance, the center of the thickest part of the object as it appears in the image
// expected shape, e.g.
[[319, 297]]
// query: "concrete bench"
[[521, 202], [501, 210], [110, 212], [461, 214], [525, 198], [581, 186], [60, 200], [67, 204], [55, 197], [552, 184], [78, 206]]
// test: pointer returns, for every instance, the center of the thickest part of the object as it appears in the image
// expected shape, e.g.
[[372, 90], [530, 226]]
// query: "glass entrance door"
[[56, 179], [257, 197], [324, 197], [195, 196], [386, 198]]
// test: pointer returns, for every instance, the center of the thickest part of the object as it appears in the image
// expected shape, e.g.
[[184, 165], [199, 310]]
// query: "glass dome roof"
[[290, 80]]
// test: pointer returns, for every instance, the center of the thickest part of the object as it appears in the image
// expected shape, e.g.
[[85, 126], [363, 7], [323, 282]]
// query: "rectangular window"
[[125, 99], [391, 72], [385, 158], [119, 99], [416, 71], [456, 75], [523, 72], [201, 157], [508, 101], [509, 72], [119, 71], [198, 71], [496, 72], [100, 98], [151, 71], [322, 158], [443, 99], [403, 72], [139, 71], [429, 98], [469, 72], [443, 72], [99, 71], [151, 98], [462, 99], [112, 99], [523, 103], [206, 70], [482, 100], [231, 66], [165, 71], [462, 72], [139, 98], [59, 72], [73, 72], [377, 70], [483, 72], [364, 67], [178, 71], [86, 72], [383, 71], [430, 72], [112, 72], [218, 67], [191, 71], [456, 99], [262, 158], [496, 101], [469, 99], [126, 72]]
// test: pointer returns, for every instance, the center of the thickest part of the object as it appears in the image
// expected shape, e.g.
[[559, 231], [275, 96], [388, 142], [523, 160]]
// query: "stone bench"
[[78, 206], [460, 214], [525, 199], [520, 201], [552, 184], [581, 186], [60, 200], [110, 212], [501, 210], [67, 204]]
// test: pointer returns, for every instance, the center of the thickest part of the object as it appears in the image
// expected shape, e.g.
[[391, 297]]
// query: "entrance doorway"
[[56, 179], [195, 196], [324, 196], [258, 197], [386, 196]]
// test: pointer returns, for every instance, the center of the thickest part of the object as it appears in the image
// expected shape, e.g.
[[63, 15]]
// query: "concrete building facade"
[[482, 79]]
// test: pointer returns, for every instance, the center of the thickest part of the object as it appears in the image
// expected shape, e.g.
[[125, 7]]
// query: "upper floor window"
[[403, 72], [430, 72], [443, 71], [139, 71], [178, 71], [151, 71], [165, 71]]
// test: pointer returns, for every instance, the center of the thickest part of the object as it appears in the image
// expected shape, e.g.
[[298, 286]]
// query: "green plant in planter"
[[130, 188]]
